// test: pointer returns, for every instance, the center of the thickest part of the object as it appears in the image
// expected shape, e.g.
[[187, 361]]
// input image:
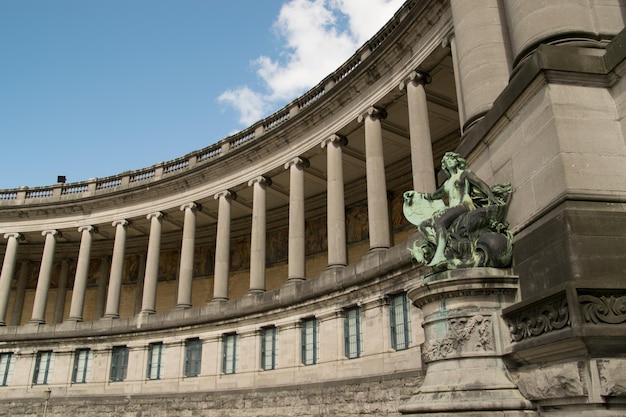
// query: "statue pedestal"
[[465, 374]]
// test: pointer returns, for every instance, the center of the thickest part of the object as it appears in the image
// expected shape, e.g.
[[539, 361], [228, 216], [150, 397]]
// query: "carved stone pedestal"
[[465, 374]]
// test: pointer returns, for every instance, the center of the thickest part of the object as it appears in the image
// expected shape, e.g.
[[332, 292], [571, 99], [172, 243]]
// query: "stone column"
[[148, 304], [20, 292], [82, 273], [296, 249], [419, 129], [185, 277], [335, 201], [103, 281], [465, 373], [222, 246], [377, 204], [112, 310], [43, 281], [8, 269], [257, 239], [484, 55], [59, 306]]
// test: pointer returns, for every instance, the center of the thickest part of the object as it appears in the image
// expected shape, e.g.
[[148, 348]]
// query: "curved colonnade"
[[286, 242]]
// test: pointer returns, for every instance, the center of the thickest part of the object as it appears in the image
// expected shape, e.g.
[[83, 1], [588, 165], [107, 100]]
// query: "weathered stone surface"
[[556, 381], [612, 377]]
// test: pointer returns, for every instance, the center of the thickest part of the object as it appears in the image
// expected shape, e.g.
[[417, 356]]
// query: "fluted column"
[[377, 205], [296, 254], [59, 306], [185, 277], [82, 273], [112, 310], [8, 269], [335, 201], [148, 303], [43, 281], [222, 246], [20, 292], [419, 130], [257, 239]]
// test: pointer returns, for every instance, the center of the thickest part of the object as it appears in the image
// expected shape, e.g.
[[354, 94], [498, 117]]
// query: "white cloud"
[[318, 36]]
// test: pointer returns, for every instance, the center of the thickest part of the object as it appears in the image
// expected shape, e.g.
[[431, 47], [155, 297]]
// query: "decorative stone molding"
[[603, 309], [551, 316], [476, 331]]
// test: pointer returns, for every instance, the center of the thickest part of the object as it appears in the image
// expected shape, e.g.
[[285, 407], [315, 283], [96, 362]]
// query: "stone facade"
[[529, 92]]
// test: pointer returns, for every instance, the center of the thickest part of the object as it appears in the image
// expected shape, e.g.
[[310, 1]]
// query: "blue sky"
[[95, 88]]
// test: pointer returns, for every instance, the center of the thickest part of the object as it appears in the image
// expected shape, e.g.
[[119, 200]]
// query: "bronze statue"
[[471, 230]]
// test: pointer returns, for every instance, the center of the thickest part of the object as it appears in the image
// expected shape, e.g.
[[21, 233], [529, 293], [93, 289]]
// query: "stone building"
[[268, 274]]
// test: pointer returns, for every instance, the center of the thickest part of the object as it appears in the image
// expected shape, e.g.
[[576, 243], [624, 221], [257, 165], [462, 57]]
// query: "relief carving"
[[609, 310], [461, 331], [553, 316]]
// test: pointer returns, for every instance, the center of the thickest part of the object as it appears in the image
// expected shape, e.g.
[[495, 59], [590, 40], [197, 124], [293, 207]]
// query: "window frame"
[[193, 357], [48, 367], [353, 343], [272, 352], [160, 350], [405, 325], [119, 363], [310, 325], [79, 376], [230, 353], [7, 366]]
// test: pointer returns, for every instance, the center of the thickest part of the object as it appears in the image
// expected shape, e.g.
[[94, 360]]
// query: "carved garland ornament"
[[610, 310], [553, 316], [460, 331]]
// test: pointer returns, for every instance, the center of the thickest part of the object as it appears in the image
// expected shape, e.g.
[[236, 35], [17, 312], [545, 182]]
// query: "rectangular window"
[[352, 332], [44, 363], [82, 366], [400, 321], [269, 348], [7, 364], [310, 341], [119, 362], [193, 356], [229, 353], [155, 360]]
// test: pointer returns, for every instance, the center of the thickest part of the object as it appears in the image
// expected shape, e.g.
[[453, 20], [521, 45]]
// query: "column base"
[[110, 317], [219, 300], [75, 319], [182, 306], [255, 291]]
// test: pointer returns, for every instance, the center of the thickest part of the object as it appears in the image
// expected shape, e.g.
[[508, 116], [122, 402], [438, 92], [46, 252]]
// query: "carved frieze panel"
[[465, 334], [607, 309], [551, 316]]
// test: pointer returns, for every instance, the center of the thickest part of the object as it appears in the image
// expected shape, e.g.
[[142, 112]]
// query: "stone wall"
[[374, 397]]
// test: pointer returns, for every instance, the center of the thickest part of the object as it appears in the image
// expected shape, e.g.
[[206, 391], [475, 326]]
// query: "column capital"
[[419, 77], [373, 112], [52, 232], [191, 206], [298, 162], [88, 228], [262, 180], [122, 222], [157, 215], [229, 195], [337, 139], [14, 235]]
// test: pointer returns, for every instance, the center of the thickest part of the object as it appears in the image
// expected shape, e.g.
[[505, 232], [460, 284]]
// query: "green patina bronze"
[[470, 230]]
